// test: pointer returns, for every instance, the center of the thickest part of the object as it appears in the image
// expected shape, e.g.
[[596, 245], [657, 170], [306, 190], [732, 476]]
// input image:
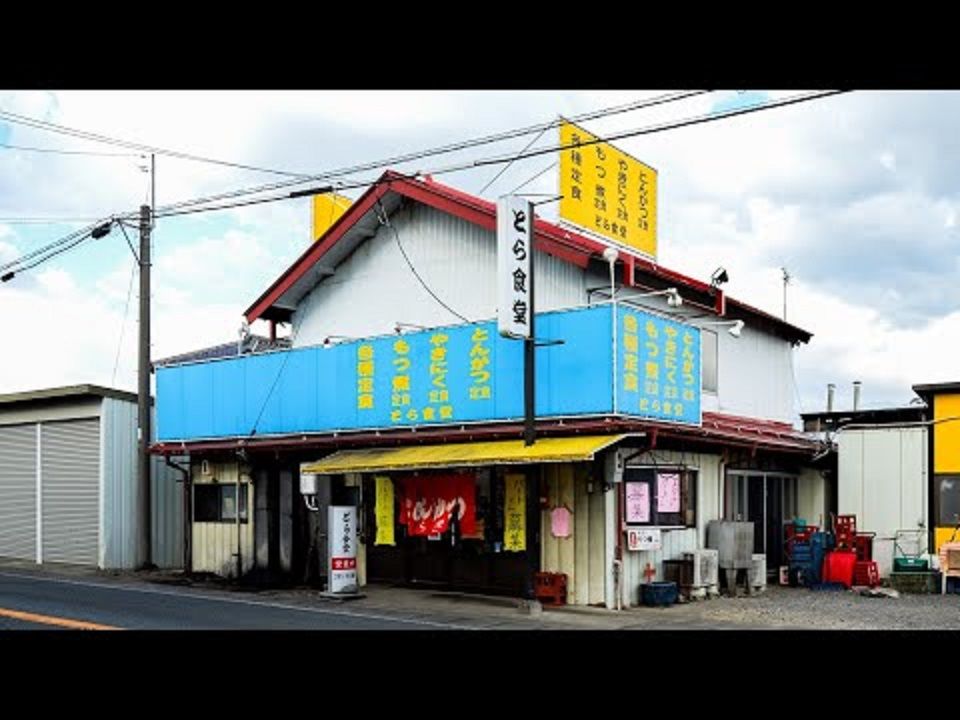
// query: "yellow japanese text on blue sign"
[[607, 192], [658, 367], [445, 376]]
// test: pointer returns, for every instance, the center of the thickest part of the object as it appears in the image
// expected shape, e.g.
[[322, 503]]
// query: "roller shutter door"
[[18, 487], [70, 460]]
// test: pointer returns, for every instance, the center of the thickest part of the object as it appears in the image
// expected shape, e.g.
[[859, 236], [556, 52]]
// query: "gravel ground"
[[831, 610]]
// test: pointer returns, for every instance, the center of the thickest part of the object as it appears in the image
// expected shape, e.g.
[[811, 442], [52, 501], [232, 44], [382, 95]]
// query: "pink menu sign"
[[638, 502], [668, 492]]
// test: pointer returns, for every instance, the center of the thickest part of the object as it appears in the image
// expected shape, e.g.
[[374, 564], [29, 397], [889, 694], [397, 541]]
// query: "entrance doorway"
[[457, 559], [769, 501]]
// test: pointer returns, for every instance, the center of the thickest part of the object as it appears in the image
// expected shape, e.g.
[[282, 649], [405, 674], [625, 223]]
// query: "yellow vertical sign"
[[515, 514], [607, 192], [384, 511], [327, 209]]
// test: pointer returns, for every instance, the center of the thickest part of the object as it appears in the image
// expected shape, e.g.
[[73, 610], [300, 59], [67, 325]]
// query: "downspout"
[[187, 514]]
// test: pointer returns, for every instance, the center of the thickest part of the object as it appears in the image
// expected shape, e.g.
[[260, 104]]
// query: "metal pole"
[[239, 556], [529, 358], [153, 188], [143, 392]]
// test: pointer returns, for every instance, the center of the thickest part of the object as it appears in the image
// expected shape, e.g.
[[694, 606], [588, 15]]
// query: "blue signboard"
[[658, 367], [450, 375], [445, 376]]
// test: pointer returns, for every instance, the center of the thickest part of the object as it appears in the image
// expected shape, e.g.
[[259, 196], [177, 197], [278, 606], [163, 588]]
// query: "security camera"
[[719, 277]]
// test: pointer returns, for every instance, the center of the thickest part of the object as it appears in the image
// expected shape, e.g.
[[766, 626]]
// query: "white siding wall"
[[812, 497], [374, 288], [883, 481], [677, 541], [754, 376]]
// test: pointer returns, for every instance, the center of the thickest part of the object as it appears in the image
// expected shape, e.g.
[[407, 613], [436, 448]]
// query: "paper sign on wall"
[[643, 539], [668, 492], [515, 514], [560, 522], [638, 502], [384, 512]]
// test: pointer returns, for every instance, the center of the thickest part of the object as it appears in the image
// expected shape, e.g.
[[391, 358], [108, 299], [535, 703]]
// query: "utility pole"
[[786, 281], [143, 391]]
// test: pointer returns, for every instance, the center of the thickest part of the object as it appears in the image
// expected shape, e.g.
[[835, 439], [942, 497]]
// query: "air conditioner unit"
[[706, 567], [757, 573]]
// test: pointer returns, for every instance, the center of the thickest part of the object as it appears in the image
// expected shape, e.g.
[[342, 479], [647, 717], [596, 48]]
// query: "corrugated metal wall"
[[120, 492], [883, 480], [374, 288], [754, 376], [167, 510], [215, 543], [118, 547], [675, 542], [70, 459], [581, 555], [18, 488]]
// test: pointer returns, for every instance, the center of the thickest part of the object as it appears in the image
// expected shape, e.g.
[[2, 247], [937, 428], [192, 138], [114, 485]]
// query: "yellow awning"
[[451, 455]]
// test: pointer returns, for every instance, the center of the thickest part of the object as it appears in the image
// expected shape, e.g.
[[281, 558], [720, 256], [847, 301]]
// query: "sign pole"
[[515, 311], [529, 368]]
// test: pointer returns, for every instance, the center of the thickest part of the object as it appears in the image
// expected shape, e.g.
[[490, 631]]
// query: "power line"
[[527, 182], [46, 248], [385, 221], [42, 254], [44, 221], [58, 151], [672, 125], [444, 149], [170, 211], [123, 323], [507, 166], [649, 130], [96, 137]]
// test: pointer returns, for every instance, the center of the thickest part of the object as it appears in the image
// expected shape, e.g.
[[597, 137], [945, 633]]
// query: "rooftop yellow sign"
[[607, 192], [327, 209]]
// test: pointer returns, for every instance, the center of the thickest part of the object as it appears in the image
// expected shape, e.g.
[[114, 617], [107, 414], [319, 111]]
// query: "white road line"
[[238, 601]]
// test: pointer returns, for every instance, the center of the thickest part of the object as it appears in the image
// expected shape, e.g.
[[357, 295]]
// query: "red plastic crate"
[[845, 531], [864, 546], [838, 566], [866, 573], [551, 588]]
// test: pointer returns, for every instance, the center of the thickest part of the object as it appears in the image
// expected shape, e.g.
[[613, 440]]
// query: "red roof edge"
[[551, 238]]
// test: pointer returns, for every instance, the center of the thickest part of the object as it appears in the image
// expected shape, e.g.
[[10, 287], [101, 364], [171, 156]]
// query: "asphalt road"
[[45, 602]]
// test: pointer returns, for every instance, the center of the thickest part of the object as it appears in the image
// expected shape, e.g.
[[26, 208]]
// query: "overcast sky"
[[857, 195]]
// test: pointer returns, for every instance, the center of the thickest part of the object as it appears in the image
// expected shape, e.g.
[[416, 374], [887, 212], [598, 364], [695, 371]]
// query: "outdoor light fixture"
[[673, 297], [330, 339], [736, 326], [610, 254], [719, 277], [399, 327]]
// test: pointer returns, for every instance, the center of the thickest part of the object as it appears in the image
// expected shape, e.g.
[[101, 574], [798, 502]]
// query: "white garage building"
[[68, 489]]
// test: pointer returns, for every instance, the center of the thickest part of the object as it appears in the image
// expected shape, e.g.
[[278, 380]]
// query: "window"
[[947, 500], [663, 496], [708, 360], [217, 503]]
